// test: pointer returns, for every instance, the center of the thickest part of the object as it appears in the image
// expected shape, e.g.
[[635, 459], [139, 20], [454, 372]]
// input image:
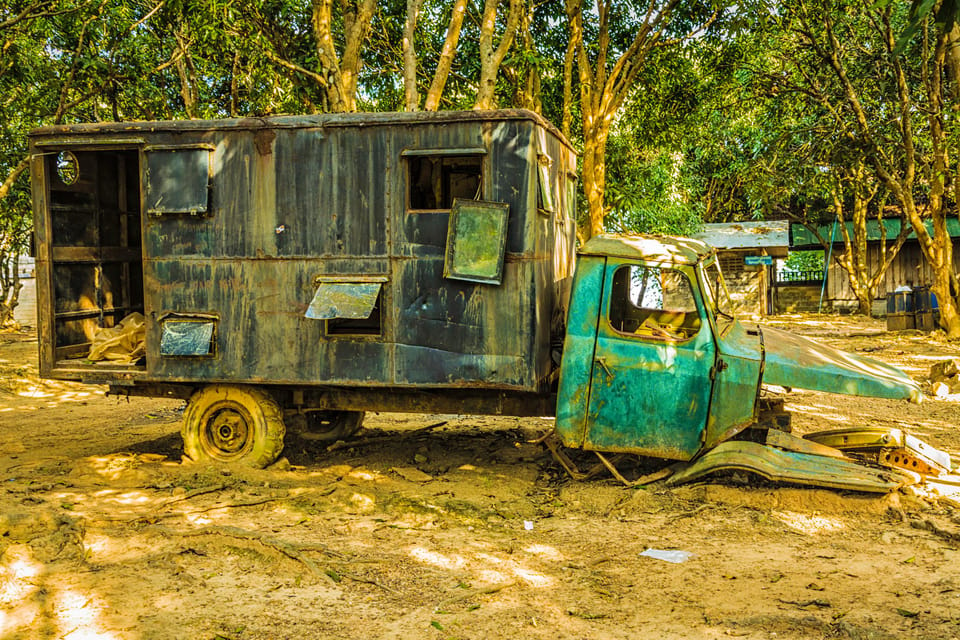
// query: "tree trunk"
[[594, 181], [411, 96], [528, 84], [12, 177], [189, 92], [10, 293], [234, 86], [340, 76], [568, 55], [432, 102], [490, 57], [603, 88]]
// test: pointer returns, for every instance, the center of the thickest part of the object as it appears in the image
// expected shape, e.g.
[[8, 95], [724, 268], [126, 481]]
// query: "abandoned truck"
[[300, 270]]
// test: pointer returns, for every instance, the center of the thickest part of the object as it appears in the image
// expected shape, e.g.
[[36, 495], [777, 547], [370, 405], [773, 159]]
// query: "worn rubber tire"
[[233, 424], [330, 426]]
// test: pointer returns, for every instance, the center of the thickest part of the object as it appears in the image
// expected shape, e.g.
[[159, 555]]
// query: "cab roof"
[[652, 248]]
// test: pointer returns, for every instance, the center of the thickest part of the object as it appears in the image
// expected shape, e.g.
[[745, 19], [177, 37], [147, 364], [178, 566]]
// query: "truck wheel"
[[223, 423], [330, 426]]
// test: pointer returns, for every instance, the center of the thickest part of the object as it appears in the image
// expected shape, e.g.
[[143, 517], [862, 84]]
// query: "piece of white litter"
[[674, 555], [528, 525]]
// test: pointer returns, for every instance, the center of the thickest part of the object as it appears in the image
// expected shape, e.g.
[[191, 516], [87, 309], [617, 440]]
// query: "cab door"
[[650, 381], [739, 363]]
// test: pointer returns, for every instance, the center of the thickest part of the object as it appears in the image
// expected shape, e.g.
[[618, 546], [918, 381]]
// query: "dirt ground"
[[465, 530]]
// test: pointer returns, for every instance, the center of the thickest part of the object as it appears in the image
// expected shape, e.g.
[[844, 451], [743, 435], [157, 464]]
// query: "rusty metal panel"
[[650, 394], [578, 347], [180, 236], [334, 192], [895, 446], [795, 361], [513, 160], [790, 466], [262, 332], [293, 198], [736, 384], [453, 332]]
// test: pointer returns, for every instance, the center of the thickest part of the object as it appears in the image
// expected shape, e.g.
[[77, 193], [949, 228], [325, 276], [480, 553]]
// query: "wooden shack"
[[380, 250], [909, 267]]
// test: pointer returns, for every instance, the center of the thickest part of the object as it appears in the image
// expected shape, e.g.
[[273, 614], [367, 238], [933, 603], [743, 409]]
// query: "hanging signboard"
[[755, 261]]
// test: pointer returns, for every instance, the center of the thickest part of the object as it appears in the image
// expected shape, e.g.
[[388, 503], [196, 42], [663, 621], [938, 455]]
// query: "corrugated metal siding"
[[290, 204]]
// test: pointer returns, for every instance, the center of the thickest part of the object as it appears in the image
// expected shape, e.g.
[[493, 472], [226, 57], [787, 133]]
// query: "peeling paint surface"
[[287, 202], [795, 361]]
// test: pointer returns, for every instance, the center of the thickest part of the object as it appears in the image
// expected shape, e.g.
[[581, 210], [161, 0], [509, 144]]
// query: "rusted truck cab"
[[656, 364]]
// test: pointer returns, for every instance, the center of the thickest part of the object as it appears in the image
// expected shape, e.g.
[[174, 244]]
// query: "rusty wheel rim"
[[227, 431]]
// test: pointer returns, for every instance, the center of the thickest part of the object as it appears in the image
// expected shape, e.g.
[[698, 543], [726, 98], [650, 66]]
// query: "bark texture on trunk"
[[410, 93], [492, 55], [604, 85], [338, 74], [447, 53]]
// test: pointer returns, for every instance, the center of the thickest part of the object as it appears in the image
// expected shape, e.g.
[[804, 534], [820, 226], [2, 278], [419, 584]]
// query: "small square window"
[[181, 336], [349, 307], [545, 200], [570, 206], [178, 181], [435, 181], [654, 303]]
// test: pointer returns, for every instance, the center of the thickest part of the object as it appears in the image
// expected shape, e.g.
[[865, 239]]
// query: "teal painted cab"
[[653, 363]]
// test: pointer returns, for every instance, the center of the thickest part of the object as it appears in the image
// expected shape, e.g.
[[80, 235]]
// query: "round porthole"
[[68, 169]]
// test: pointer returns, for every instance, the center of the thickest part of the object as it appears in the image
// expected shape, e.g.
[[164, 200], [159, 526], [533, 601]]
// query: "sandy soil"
[[466, 530]]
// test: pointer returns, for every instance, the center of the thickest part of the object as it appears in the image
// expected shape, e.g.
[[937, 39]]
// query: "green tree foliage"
[[689, 112], [890, 111], [805, 261]]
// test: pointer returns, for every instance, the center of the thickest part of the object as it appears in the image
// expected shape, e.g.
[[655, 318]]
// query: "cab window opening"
[[654, 303]]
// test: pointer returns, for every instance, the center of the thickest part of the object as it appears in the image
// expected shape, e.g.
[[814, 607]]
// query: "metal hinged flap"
[[476, 241], [350, 300]]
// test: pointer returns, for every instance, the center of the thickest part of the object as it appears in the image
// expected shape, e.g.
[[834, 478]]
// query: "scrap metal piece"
[[893, 447], [858, 438], [639, 482], [783, 440], [790, 466], [801, 363], [901, 459]]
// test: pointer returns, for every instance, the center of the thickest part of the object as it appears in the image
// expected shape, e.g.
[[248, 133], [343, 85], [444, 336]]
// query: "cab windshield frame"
[[716, 294]]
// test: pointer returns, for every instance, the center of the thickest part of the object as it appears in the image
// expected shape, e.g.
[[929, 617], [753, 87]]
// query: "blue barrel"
[[924, 299]]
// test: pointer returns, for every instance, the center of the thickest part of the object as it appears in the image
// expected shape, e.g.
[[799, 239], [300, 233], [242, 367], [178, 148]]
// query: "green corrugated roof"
[[802, 238]]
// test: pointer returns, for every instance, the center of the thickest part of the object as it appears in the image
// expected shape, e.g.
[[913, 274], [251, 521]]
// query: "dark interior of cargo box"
[[94, 202]]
